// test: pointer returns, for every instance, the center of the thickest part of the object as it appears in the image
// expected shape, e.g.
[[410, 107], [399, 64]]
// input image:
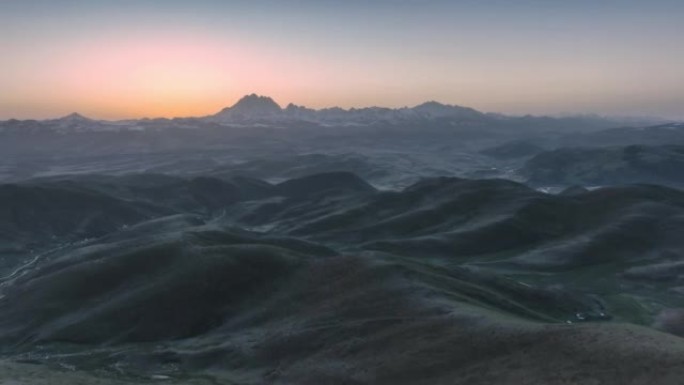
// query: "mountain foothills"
[[268, 245], [325, 279]]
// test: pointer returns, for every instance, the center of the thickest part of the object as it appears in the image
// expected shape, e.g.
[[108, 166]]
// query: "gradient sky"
[[122, 59]]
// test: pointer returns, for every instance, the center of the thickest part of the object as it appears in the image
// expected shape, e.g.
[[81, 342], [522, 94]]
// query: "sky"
[[141, 58]]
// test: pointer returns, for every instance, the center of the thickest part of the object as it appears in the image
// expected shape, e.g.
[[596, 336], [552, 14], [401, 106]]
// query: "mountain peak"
[[251, 107], [437, 109], [74, 116], [256, 102]]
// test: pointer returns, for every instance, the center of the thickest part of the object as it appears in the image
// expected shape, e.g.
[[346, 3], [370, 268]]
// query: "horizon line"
[[559, 115]]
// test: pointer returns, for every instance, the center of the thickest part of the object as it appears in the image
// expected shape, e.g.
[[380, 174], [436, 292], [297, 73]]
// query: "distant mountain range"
[[255, 110]]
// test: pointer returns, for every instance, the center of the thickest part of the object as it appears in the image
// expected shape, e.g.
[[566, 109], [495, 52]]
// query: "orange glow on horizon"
[[178, 75], [158, 76], [133, 59]]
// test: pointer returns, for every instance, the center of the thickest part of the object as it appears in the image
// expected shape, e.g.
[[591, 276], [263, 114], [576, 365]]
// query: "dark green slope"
[[323, 279]]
